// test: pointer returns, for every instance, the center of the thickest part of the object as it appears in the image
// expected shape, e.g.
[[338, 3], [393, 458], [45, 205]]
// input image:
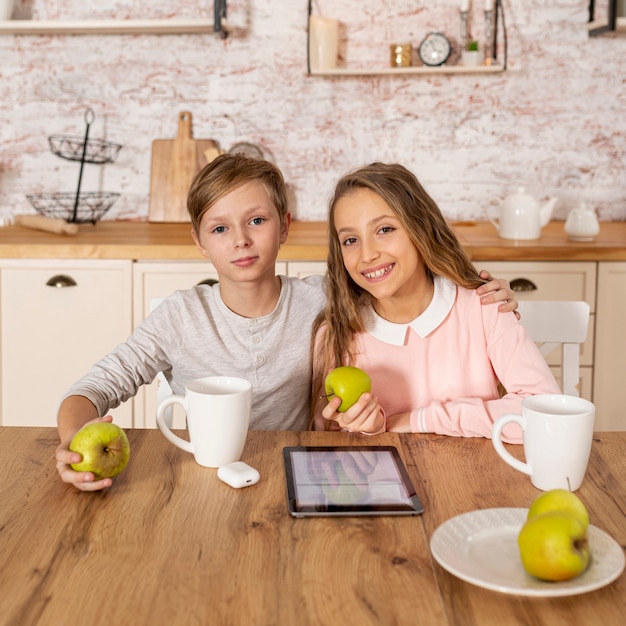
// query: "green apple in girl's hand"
[[104, 447], [348, 383]]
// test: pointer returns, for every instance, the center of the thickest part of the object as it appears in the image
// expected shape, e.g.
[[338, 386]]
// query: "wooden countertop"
[[169, 544], [306, 242]]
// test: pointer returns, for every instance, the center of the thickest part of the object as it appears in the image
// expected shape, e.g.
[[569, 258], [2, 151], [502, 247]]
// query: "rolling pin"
[[49, 224]]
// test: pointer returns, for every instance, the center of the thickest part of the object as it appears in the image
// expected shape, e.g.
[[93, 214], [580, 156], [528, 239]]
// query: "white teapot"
[[582, 224], [522, 217]]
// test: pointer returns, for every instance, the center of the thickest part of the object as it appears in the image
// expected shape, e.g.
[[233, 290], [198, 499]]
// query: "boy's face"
[[242, 233]]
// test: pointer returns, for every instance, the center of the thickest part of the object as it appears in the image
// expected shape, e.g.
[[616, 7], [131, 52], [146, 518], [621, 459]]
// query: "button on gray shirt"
[[193, 334]]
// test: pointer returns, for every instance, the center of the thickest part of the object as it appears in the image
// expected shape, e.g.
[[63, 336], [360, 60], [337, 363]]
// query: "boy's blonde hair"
[[425, 225], [227, 172]]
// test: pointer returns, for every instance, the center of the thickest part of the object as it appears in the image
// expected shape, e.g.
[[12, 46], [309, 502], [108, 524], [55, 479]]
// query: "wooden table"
[[170, 544]]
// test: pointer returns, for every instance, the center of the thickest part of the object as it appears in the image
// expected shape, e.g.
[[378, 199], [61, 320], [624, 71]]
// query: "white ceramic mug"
[[558, 431], [218, 415], [323, 42]]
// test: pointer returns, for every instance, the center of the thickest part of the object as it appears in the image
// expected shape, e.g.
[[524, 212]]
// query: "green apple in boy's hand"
[[560, 500], [554, 546], [348, 383], [104, 448]]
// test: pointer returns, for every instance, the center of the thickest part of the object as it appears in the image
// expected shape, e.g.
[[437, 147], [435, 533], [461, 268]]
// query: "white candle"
[[488, 5], [465, 5]]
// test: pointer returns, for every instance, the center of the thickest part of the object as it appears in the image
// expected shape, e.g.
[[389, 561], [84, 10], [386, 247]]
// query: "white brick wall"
[[554, 122]]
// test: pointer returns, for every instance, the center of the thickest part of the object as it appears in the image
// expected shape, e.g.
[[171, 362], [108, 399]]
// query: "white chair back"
[[554, 323], [163, 387]]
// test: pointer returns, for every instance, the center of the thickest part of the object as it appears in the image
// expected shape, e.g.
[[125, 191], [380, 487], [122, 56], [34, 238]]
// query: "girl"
[[402, 306]]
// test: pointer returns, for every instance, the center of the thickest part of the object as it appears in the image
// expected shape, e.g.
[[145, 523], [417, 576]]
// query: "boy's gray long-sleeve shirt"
[[193, 334]]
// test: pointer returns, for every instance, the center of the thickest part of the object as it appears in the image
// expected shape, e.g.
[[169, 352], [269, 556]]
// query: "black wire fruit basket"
[[72, 148], [91, 206], [78, 207]]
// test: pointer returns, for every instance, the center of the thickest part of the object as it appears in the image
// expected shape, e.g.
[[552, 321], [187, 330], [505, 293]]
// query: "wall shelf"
[[423, 70], [106, 27]]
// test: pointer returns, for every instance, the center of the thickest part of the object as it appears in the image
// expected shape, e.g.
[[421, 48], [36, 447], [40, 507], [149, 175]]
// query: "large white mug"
[[218, 415], [557, 431]]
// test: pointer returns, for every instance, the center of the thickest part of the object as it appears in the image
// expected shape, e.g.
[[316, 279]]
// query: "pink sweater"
[[446, 366]]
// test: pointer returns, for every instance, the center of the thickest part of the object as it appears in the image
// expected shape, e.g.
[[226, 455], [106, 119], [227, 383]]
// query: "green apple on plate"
[[553, 542], [560, 500]]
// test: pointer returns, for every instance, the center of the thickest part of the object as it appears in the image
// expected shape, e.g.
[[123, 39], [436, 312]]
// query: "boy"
[[252, 324]]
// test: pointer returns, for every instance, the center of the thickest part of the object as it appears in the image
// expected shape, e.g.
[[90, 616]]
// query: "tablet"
[[348, 480]]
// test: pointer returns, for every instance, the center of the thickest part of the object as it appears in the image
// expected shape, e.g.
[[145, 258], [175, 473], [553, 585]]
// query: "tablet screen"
[[348, 480]]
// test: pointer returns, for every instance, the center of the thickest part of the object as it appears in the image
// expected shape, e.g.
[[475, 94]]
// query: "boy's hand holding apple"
[[351, 405], [97, 452]]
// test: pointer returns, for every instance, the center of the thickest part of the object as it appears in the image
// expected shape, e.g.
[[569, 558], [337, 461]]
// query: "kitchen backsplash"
[[553, 122]]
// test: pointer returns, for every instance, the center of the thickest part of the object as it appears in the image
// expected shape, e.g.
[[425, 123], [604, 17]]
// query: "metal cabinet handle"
[[61, 280], [523, 284], [208, 281]]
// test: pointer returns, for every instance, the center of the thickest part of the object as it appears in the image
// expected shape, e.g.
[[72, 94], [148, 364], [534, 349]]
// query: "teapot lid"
[[518, 192]]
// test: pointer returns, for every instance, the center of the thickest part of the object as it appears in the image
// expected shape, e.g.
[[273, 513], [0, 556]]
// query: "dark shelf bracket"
[[219, 15]]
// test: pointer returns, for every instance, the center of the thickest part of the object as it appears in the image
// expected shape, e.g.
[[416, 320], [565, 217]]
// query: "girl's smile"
[[378, 273]]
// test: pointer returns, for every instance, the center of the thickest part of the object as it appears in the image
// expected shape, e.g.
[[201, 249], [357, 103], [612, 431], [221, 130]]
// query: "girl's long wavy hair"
[[436, 243]]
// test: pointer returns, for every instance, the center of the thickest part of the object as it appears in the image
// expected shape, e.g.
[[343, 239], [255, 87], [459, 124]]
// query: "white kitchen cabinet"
[[159, 279], [547, 280], [609, 382], [50, 335]]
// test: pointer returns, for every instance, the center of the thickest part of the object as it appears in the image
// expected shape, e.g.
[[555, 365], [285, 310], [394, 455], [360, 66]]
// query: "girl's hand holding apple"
[[351, 405], [365, 416]]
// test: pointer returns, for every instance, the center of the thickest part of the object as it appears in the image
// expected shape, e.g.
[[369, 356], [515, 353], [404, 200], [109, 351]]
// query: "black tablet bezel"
[[413, 507]]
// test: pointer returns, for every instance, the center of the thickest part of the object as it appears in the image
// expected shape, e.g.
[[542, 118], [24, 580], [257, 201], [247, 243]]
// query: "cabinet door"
[[609, 384], [51, 335], [160, 279], [546, 280]]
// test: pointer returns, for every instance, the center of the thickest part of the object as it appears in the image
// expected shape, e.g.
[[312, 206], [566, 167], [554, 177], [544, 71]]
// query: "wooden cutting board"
[[174, 164]]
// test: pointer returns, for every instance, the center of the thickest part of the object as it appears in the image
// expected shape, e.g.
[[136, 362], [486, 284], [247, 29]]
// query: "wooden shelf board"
[[395, 71], [85, 27]]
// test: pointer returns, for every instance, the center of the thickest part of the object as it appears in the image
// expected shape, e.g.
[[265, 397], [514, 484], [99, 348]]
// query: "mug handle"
[[496, 433], [164, 423]]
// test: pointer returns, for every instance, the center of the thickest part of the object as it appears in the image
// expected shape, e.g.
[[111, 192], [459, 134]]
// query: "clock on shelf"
[[434, 49]]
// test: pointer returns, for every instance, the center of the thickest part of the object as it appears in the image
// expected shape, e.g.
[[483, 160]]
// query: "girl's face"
[[379, 255]]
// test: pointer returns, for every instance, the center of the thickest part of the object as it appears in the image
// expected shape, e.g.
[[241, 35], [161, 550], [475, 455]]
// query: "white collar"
[[444, 294]]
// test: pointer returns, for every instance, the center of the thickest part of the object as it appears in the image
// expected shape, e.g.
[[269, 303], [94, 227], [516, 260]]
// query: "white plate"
[[480, 547]]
